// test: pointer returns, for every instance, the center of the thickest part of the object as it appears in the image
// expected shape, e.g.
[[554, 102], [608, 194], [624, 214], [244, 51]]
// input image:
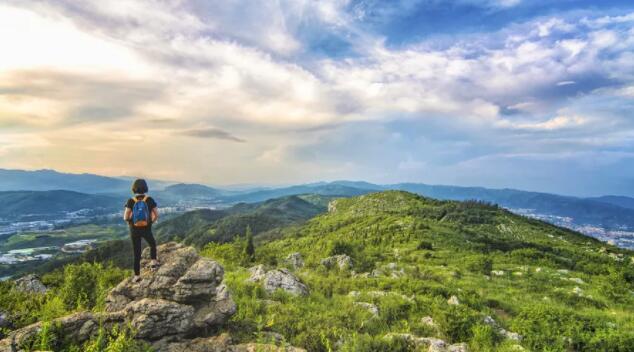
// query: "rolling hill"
[[200, 227], [463, 272]]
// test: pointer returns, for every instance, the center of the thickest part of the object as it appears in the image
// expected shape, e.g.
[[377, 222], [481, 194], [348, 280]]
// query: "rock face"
[[342, 261], [181, 299], [30, 283], [285, 280]]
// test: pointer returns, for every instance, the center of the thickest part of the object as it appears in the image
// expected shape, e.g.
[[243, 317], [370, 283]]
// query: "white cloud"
[[249, 70], [556, 123]]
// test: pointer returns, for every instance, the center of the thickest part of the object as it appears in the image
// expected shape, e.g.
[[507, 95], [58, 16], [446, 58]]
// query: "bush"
[[551, 328], [116, 340], [365, 342], [455, 321], [341, 247], [425, 245], [86, 285], [482, 265], [484, 338]]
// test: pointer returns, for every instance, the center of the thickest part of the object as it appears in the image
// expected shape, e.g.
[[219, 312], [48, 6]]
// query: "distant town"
[[620, 238]]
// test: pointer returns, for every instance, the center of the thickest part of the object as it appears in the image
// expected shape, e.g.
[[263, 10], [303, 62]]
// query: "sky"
[[534, 95]]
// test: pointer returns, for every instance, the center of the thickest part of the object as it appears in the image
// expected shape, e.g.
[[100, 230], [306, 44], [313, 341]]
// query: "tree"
[[249, 249]]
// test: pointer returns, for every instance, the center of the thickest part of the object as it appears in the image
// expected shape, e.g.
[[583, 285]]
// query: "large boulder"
[[30, 283], [285, 280], [183, 298]]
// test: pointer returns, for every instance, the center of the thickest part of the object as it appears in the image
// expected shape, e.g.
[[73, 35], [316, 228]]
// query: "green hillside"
[[203, 226], [414, 268], [559, 290]]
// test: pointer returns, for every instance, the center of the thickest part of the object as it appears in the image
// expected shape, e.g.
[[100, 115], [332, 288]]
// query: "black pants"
[[136, 244]]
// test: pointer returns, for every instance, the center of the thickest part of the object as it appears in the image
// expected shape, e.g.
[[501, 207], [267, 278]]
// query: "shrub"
[[482, 265], [365, 342], [484, 338], [341, 247], [425, 245], [455, 321]]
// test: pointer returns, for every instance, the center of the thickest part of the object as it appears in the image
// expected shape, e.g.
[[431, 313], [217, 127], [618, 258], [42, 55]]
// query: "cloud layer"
[[539, 97]]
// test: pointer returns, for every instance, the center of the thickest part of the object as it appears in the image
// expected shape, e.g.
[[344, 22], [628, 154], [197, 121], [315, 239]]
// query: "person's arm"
[[127, 214], [155, 214]]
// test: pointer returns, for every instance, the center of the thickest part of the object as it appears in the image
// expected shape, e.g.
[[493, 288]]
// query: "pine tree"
[[249, 249]]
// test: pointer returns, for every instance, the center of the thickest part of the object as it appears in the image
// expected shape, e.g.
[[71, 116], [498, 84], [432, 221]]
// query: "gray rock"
[[182, 277], [453, 300], [341, 261], [4, 320], [30, 283], [285, 280], [257, 273], [295, 260], [272, 337], [217, 311], [154, 319], [507, 334], [429, 321]]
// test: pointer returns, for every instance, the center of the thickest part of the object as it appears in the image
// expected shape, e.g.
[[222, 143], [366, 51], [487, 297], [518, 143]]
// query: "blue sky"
[[524, 94]]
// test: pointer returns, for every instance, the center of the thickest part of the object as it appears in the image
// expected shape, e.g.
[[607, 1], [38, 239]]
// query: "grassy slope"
[[561, 290], [204, 226]]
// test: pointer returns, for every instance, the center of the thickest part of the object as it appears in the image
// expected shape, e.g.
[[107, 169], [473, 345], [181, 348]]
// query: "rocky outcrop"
[[275, 279], [285, 280], [341, 261], [183, 298], [30, 283]]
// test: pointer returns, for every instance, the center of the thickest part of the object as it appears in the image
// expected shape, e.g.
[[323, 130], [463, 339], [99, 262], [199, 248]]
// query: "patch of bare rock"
[[275, 279]]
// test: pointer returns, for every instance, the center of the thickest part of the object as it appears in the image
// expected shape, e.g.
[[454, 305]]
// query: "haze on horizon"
[[535, 95]]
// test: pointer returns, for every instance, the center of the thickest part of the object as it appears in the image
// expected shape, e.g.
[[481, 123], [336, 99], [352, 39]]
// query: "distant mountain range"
[[48, 180], [19, 205], [609, 212]]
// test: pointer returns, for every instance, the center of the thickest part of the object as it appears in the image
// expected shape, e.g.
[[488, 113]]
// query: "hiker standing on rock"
[[141, 211]]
